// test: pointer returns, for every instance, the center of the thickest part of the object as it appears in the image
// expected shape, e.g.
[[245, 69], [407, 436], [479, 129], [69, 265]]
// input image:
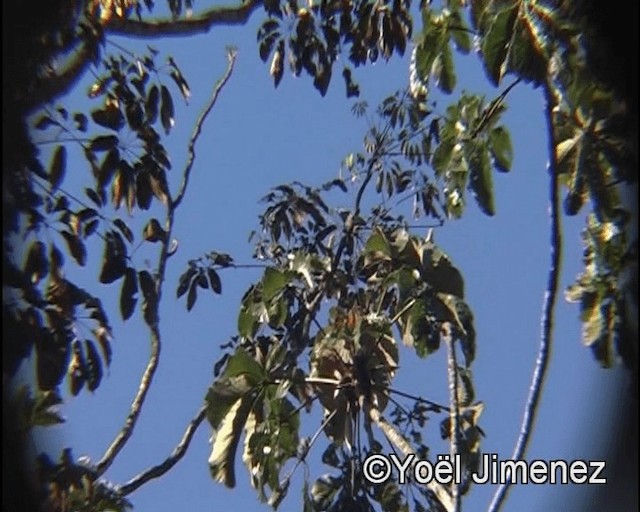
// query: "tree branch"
[[136, 406], [454, 415], [177, 454], [227, 15], [544, 351], [231, 55]]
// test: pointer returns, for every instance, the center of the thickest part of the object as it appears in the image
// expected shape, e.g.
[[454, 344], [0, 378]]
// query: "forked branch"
[[170, 461]]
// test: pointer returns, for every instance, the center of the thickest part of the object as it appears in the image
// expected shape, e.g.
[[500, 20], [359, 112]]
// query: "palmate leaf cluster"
[[346, 290]]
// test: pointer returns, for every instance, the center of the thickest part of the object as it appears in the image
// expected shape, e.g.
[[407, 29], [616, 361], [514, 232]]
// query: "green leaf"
[[241, 363], [378, 243], [247, 324], [440, 272], [273, 282], [480, 179], [501, 148], [225, 444], [444, 71], [495, 43], [58, 167]]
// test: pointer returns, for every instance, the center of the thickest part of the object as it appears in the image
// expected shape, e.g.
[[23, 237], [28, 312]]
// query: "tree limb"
[[227, 15], [544, 351], [136, 406], [231, 55], [177, 454], [454, 415]]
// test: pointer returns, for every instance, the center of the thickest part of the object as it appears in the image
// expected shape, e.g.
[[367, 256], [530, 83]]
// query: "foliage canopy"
[[342, 289]]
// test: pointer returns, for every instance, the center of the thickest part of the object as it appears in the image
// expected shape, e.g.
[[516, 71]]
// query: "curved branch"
[[227, 15], [544, 351], [136, 406], [177, 454], [231, 54]]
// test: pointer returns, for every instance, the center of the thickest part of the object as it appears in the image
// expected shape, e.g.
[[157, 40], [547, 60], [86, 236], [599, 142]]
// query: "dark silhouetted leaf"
[[150, 303], [81, 121], [166, 110], [128, 292], [143, 190], [151, 105], [58, 167], [104, 142], [153, 232], [93, 366], [36, 265], [114, 262], [93, 195], [77, 368], [76, 247], [214, 279], [124, 229], [192, 296], [109, 117], [185, 281]]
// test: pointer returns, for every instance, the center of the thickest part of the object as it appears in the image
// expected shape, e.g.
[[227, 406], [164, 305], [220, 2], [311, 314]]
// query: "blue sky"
[[258, 137]]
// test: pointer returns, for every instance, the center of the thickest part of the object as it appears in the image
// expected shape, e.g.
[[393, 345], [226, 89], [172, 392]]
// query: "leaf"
[[81, 121], [128, 292], [76, 247], [151, 105], [193, 295], [225, 444], [378, 243], [167, 112], [153, 232], [501, 148], [36, 264], [124, 229], [444, 72], [181, 83], [495, 43], [480, 180], [273, 282], [277, 68], [58, 167], [214, 279], [440, 273], [185, 281], [104, 142], [114, 262], [143, 190], [93, 366], [109, 117]]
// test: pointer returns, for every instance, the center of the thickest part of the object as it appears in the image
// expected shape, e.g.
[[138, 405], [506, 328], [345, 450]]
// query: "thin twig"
[[177, 454], [231, 55], [544, 351], [454, 415], [154, 317]]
